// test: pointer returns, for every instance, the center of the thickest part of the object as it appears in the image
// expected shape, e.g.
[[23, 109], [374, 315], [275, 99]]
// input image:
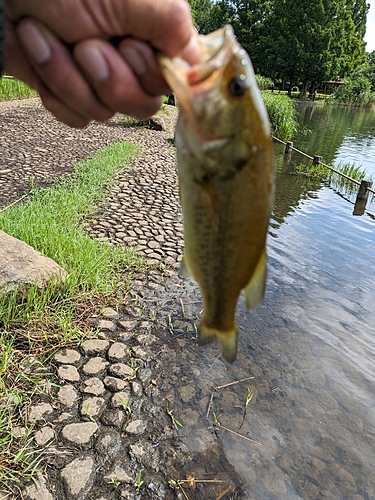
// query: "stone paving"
[[101, 415], [143, 210]]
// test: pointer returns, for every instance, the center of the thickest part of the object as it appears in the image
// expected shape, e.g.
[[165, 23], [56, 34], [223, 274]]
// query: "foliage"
[[10, 88], [264, 83], [356, 90], [34, 323], [304, 42], [282, 114]]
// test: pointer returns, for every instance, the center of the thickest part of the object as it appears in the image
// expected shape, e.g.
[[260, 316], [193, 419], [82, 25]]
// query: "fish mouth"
[[217, 49]]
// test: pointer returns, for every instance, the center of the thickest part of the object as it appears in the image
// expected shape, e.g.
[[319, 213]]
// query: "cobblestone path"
[[143, 210]]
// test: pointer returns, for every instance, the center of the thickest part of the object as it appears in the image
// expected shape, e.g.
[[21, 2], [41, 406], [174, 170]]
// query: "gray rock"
[[120, 474], [140, 353], [78, 476], [136, 388], [64, 417], [20, 264], [79, 433], [94, 386], [120, 400], [146, 454], [95, 346], [37, 412], [18, 432], [105, 325], [113, 418], [67, 395], [38, 491], [129, 325], [95, 366], [67, 357], [109, 313], [125, 336], [187, 393], [115, 384], [68, 373], [92, 407], [156, 123], [118, 352], [135, 427], [120, 370], [108, 444], [44, 435]]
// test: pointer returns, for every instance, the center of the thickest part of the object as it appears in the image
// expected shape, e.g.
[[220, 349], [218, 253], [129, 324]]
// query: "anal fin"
[[254, 291]]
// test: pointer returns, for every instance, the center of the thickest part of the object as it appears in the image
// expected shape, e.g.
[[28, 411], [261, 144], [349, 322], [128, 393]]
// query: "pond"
[[298, 405], [343, 134]]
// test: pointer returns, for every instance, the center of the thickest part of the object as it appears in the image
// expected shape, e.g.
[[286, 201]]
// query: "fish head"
[[222, 117]]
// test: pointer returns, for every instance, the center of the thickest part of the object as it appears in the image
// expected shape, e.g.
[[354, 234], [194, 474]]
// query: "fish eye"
[[237, 85]]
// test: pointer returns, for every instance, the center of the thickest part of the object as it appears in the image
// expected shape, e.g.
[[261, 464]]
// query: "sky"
[[370, 27]]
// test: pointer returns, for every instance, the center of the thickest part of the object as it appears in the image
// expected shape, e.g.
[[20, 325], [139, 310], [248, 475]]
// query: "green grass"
[[11, 88], [34, 323], [282, 114]]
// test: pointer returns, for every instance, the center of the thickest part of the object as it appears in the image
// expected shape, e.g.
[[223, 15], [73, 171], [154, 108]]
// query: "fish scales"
[[226, 181]]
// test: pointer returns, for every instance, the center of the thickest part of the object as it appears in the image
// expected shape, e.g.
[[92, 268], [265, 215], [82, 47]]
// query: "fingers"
[[64, 84], [16, 63], [141, 59], [121, 89], [61, 111], [165, 24]]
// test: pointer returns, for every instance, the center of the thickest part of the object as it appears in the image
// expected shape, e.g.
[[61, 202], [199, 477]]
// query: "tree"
[[314, 40]]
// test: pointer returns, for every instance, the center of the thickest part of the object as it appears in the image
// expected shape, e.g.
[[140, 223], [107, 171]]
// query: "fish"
[[226, 181]]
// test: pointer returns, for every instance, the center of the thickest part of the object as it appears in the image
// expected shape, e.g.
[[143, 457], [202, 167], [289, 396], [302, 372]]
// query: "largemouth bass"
[[226, 181]]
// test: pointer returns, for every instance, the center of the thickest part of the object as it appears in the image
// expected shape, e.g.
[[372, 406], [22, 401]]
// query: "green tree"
[[313, 40]]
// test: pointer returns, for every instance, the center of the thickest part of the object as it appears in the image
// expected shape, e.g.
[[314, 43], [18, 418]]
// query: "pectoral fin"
[[254, 291], [209, 200]]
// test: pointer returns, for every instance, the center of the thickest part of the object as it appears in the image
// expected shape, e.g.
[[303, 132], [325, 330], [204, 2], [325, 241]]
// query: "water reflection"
[[339, 134], [311, 350]]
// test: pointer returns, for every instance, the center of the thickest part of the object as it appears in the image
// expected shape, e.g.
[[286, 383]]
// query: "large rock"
[[20, 264]]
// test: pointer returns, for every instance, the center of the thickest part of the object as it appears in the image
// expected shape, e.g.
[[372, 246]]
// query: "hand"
[[64, 49]]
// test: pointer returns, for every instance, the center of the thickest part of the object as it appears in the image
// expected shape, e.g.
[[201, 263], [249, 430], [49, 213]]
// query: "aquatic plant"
[[321, 173]]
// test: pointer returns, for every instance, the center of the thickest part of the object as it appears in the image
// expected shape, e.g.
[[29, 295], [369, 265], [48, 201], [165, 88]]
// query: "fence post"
[[288, 147], [362, 197], [317, 160]]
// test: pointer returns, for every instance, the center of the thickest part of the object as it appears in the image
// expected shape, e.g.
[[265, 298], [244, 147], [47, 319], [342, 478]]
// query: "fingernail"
[[134, 59], [34, 42], [93, 63]]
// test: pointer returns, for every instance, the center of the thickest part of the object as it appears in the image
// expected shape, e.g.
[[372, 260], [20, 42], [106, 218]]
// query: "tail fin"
[[225, 340]]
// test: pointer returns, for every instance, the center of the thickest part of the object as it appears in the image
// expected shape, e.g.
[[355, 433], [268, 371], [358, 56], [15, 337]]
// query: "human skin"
[[65, 49]]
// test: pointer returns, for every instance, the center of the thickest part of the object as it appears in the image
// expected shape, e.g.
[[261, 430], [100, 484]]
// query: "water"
[[310, 349], [339, 134]]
